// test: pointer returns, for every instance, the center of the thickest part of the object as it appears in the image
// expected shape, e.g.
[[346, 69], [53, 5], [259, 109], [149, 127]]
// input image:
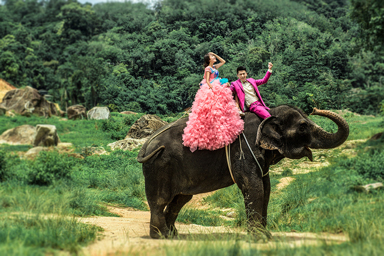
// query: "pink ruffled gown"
[[215, 120]]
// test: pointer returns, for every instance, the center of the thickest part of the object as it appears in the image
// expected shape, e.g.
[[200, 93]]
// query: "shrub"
[[370, 165], [116, 128], [49, 167], [3, 173]]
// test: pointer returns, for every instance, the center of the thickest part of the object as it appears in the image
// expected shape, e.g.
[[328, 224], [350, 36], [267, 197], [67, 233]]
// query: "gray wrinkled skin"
[[173, 174]]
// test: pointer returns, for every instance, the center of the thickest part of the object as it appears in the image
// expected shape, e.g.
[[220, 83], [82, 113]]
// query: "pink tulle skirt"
[[214, 121]]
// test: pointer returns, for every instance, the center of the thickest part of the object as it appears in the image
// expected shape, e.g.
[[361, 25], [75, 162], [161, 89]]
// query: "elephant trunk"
[[324, 140]]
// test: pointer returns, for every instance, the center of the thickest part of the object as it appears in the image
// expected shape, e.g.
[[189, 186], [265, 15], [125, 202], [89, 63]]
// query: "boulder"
[[377, 136], [28, 101], [34, 152], [367, 188], [88, 151], [46, 135], [76, 111], [127, 144], [145, 126], [10, 114], [98, 113], [4, 88], [128, 113], [21, 135], [2, 111]]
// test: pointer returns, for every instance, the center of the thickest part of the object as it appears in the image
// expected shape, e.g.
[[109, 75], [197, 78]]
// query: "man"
[[247, 93]]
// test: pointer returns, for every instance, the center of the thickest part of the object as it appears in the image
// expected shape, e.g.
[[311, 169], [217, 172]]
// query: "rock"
[[21, 135], [88, 151], [376, 136], [2, 111], [145, 126], [98, 113], [10, 114], [368, 187], [28, 101], [46, 135], [64, 146], [127, 144], [76, 111], [128, 113], [4, 88], [34, 152], [231, 214]]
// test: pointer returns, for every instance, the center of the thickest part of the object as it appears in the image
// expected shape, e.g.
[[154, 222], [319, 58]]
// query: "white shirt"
[[250, 93]]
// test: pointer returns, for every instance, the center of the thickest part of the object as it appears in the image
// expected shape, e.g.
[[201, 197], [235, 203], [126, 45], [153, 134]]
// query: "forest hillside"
[[131, 56]]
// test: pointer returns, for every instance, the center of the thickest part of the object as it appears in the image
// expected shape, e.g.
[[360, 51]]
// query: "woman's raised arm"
[[222, 61]]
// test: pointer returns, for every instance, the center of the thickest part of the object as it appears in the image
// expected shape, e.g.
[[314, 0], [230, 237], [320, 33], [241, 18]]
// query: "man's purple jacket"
[[237, 87]]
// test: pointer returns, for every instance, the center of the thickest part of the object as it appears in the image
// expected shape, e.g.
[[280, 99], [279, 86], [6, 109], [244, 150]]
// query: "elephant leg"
[[254, 200], [158, 227], [172, 211], [267, 192]]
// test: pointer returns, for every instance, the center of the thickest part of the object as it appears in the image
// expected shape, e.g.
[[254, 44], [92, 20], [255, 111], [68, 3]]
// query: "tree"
[[369, 14]]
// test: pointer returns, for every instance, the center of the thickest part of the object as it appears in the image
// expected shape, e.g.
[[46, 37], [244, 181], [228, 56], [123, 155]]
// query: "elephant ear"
[[269, 135]]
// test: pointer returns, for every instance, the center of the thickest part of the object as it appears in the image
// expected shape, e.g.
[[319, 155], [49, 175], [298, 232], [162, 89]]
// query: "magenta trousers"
[[258, 108]]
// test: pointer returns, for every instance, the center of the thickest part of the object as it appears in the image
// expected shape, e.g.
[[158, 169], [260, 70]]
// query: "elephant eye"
[[303, 127]]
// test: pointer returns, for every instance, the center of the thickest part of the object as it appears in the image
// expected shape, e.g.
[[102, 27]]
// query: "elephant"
[[173, 174]]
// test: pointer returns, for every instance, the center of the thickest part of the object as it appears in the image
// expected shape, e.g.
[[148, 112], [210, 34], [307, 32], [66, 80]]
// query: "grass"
[[36, 235], [62, 185]]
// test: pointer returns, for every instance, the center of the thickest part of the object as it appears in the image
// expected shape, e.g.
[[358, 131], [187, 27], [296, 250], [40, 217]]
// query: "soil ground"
[[129, 234]]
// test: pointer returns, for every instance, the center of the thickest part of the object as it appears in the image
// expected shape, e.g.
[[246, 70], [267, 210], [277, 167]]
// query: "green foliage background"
[[130, 56]]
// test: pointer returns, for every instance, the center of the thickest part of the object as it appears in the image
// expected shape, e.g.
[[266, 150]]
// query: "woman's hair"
[[207, 59]]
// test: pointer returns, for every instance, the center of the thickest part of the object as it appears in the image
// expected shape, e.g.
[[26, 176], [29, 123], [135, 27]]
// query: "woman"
[[214, 121]]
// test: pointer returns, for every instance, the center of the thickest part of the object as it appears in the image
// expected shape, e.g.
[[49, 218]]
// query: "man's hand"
[[270, 65]]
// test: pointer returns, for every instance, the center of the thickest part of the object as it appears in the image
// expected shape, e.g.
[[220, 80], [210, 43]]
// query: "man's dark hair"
[[241, 68]]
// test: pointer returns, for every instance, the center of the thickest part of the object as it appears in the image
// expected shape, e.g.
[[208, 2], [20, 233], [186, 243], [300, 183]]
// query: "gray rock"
[[21, 135], [76, 112], [231, 214], [46, 135], [369, 187], [2, 111], [127, 144], [98, 113], [34, 152], [145, 126]]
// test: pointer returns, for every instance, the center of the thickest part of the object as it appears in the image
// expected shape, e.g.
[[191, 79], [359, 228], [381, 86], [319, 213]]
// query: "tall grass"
[[60, 184], [36, 235]]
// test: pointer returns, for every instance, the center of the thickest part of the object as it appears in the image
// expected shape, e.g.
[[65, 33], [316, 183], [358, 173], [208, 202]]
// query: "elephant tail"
[[142, 159]]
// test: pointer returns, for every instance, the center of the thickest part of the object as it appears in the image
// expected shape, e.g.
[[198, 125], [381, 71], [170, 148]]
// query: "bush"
[[370, 165], [3, 173], [116, 128], [118, 125], [49, 167]]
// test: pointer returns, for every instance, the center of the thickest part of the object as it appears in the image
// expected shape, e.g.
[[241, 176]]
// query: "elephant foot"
[[260, 234], [155, 233], [173, 231]]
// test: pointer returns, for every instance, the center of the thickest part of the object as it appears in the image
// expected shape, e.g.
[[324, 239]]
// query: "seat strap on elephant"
[[241, 150], [228, 156], [254, 157]]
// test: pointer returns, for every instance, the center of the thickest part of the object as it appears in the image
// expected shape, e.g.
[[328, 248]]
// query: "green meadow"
[[41, 198]]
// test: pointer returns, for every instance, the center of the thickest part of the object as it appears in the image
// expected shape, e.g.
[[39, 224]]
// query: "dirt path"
[[129, 234]]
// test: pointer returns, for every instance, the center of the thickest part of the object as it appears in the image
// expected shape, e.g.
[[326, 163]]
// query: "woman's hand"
[[270, 65]]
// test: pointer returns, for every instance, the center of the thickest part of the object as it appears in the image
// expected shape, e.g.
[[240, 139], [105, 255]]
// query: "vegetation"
[[130, 57], [81, 183]]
